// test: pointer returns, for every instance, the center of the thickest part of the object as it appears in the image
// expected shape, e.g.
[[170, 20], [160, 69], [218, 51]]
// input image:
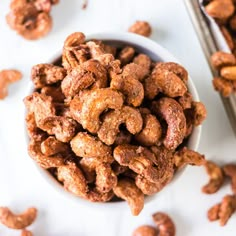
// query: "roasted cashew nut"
[[130, 87], [86, 146], [151, 132], [127, 190], [42, 160], [73, 179], [98, 101], [20, 221], [186, 156], [171, 111], [216, 178], [164, 224], [166, 81], [131, 117], [89, 74], [46, 74]]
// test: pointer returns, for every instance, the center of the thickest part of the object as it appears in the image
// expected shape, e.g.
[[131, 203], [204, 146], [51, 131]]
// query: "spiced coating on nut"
[[89, 73], [74, 40], [63, 128], [127, 190], [223, 210], [142, 28], [73, 179], [220, 10], [41, 105], [228, 73], [165, 81], [123, 137], [151, 132], [6, 78], [164, 224], [186, 100], [223, 86], [145, 230], [52, 146], [186, 156], [17, 221], [216, 178], [126, 55], [46, 74], [230, 171], [95, 196], [29, 22], [86, 145], [106, 179], [54, 92], [107, 98], [138, 159], [46, 162], [171, 111], [220, 59], [199, 113], [112, 120]]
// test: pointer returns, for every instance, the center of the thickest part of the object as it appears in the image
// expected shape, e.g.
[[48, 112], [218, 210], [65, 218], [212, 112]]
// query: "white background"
[[22, 186]]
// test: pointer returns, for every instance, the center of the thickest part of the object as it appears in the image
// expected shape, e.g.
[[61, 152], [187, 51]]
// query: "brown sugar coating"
[[142, 28], [94, 120]]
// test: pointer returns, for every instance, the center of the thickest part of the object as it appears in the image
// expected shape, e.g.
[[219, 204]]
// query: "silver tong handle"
[[209, 47]]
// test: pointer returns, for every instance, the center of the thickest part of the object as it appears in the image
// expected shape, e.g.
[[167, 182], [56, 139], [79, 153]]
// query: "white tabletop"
[[22, 186]]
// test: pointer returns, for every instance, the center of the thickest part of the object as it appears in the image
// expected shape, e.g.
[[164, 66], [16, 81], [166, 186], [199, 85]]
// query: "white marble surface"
[[20, 183]]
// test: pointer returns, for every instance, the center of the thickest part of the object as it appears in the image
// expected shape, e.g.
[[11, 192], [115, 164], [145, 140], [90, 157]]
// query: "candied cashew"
[[220, 59], [106, 179], [199, 113], [90, 73], [223, 86], [138, 159], [73, 179], [216, 178], [230, 171], [164, 224], [26, 232], [220, 10], [42, 160], [166, 81], [228, 72], [52, 146], [151, 132], [187, 156], [224, 210], [29, 22], [142, 28], [171, 111], [54, 92], [123, 137], [126, 55], [41, 105], [127, 190], [17, 221], [112, 120], [145, 230], [130, 87], [98, 101], [46, 74], [86, 146], [64, 128], [186, 100], [6, 78], [95, 196]]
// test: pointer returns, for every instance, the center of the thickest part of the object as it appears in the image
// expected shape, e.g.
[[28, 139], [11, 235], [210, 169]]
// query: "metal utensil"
[[209, 46]]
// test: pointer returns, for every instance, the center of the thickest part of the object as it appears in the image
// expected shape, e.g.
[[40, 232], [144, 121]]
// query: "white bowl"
[[157, 53]]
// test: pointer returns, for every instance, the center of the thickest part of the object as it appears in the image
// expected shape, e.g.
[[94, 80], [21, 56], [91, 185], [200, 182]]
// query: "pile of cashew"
[[164, 226], [109, 121], [31, 19]]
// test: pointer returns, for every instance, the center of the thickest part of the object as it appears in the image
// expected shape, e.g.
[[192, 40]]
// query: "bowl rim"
[[159, 51]]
